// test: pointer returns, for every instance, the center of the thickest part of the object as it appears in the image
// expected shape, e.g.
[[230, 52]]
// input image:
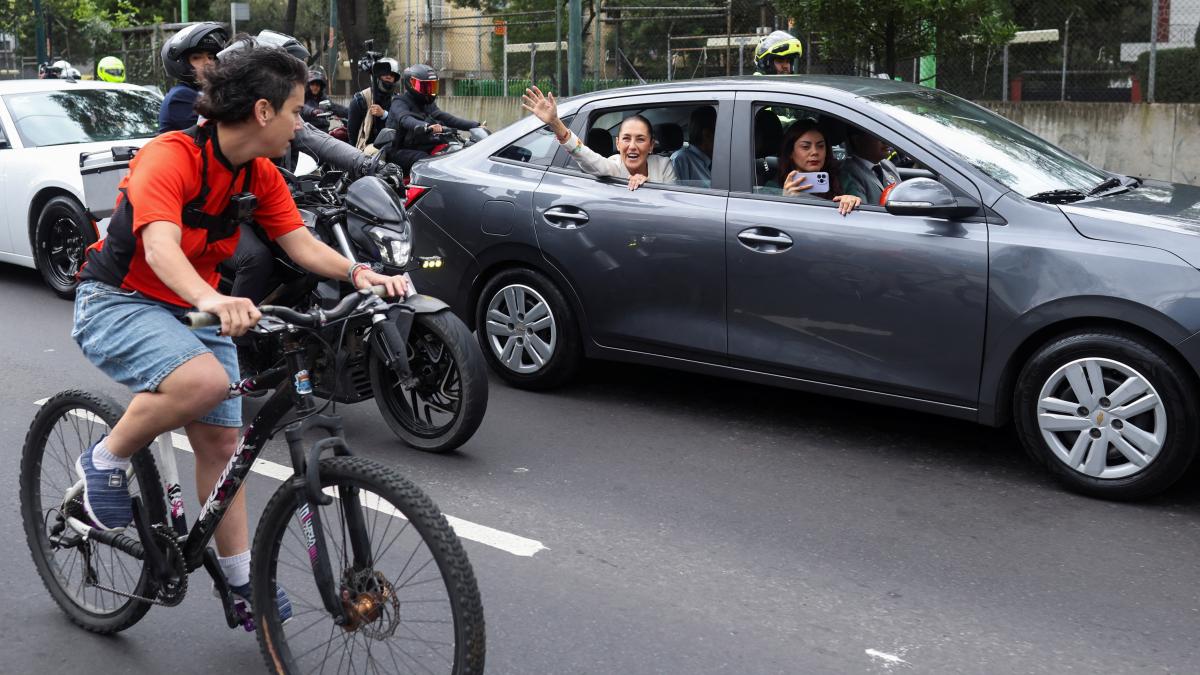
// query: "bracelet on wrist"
[[355, 269]]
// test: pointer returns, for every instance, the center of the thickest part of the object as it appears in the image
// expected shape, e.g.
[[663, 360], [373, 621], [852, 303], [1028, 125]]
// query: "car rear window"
[[83, 116]]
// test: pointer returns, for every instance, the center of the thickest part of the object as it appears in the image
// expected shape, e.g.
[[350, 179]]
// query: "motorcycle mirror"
[[325, 105], [384, 138]]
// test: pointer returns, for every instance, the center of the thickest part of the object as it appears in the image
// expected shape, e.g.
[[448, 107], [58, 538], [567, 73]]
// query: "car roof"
[[790, 84], [29, 86]]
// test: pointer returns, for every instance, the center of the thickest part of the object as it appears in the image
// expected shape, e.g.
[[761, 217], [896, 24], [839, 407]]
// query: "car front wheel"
[[1108, 413], [62, 234], [527, 330]]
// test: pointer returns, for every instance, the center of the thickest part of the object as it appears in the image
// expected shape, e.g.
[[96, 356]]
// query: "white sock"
[[105, 460], [236, 568]]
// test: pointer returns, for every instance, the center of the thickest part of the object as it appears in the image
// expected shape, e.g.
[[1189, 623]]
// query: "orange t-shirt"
[[163, 178]]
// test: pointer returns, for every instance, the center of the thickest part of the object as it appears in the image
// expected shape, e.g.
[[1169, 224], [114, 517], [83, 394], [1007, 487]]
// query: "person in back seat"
[[635, 144], [693, 164]]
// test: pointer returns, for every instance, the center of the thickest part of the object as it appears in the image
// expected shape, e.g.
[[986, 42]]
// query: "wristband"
[[355, 269]]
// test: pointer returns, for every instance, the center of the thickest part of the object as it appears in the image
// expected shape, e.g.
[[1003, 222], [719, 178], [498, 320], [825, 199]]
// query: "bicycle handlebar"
[[310, 319]]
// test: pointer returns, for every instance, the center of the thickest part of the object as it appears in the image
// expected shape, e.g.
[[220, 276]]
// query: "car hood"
[[1158, 214]]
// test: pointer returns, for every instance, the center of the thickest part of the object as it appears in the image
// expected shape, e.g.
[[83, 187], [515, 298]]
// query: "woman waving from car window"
[[635, 143]]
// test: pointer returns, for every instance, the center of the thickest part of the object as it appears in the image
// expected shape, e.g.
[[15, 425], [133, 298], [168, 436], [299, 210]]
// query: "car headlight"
[[395, 248]]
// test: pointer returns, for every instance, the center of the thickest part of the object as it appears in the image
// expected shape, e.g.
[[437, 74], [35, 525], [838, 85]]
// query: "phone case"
[[819, 180]]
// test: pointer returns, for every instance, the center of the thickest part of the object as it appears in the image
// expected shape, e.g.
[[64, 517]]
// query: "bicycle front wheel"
[[414, 608], [96, 585]]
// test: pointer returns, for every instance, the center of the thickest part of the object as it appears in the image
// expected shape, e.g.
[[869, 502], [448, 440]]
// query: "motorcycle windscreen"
[[372, 198]]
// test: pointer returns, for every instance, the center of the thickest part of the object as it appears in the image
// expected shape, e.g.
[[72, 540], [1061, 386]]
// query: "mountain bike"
[[378, 580]]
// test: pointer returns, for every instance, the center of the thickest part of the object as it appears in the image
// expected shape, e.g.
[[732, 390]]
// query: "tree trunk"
[[289, 18], [890, 46], [354, 23]]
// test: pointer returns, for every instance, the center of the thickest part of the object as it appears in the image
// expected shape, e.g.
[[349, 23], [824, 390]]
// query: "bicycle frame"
[[305, 481]]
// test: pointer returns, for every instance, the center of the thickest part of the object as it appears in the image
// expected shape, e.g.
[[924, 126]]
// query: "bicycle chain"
[[167, 597]]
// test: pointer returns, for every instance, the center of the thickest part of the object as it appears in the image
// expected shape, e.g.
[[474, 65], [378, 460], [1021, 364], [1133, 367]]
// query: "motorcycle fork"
[[390, 338]]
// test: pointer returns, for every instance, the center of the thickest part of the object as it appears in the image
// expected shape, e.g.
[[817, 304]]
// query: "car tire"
[[62, 234], [539, 355], [1130, 439]]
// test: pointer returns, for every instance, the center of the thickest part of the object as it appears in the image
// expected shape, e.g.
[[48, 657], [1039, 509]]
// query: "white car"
[[44, 126]]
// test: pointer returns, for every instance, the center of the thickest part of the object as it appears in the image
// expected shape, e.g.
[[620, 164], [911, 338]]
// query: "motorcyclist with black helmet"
[[314, 93], [369, 107], [185, 55], [416, 117], [253, 263]]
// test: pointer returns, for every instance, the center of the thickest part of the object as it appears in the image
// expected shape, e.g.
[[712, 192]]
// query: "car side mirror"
[[928, 198], [384, 138]]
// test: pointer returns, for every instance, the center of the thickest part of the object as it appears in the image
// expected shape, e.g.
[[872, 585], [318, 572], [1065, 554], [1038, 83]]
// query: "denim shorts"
[[139, 341]]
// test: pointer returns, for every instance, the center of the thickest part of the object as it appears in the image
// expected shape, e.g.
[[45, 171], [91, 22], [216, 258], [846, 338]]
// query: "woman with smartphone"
[[807, 166]]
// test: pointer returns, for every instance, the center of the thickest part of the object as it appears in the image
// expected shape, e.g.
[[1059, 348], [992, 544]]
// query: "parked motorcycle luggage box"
[[102, 171]]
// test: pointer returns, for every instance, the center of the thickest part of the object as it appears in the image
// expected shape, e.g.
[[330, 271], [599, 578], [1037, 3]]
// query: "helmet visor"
[[116, 73], [425, 87]]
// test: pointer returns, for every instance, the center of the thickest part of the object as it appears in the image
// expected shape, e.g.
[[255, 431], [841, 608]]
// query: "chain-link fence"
[[1021, 50], [1097, 50]]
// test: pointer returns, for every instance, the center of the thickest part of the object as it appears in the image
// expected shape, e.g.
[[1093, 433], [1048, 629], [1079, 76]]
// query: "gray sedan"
[[1000, 280]]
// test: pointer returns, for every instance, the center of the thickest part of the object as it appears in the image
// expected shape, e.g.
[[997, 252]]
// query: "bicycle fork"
[[306, 486]]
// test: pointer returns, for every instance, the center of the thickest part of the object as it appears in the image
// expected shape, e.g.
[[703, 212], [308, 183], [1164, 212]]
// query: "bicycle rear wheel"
[[418, 605], [90, 581]]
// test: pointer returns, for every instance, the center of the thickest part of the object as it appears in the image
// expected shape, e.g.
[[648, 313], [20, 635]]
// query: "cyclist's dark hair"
[[643, 120], [234, 84]]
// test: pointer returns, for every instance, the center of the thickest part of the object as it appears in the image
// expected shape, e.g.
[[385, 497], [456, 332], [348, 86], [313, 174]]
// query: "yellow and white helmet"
[[779, 44]]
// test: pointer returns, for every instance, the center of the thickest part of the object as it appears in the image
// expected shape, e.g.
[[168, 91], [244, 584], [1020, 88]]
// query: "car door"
[[647, 266], [868, 300]]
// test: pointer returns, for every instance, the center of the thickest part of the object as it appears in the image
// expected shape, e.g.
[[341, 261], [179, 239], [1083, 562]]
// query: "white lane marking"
[[488, 536], [889, 660]]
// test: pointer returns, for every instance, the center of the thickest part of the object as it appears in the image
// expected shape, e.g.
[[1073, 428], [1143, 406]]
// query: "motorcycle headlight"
[[395, 248]]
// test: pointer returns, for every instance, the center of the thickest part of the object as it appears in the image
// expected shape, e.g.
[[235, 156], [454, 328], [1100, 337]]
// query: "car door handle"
[[567, 220], [765, 240]]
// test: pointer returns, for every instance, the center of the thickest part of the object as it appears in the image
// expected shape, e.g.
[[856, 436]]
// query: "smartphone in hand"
[[819, 180]]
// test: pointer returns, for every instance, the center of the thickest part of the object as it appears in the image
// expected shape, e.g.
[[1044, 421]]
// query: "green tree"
[[886, 31]]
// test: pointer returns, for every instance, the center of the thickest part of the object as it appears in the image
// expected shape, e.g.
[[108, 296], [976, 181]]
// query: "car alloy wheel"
[[61, 237], [1102, 418], [522, 332]]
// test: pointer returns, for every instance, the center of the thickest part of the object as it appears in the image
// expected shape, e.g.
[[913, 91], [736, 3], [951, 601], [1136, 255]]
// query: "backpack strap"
[[219, 226]]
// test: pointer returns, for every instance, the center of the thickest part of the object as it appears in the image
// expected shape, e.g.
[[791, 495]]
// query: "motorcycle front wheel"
[[443, 405]]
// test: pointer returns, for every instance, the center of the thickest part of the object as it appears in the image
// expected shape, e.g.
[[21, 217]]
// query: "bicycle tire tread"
[[148, 481], [429, 521]]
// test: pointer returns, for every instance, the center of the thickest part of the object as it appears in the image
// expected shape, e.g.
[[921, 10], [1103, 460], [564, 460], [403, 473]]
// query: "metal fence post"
[[505, 48], [1153, 50], [669, 73], [1062, 96], [1004, 77], [558, 44]]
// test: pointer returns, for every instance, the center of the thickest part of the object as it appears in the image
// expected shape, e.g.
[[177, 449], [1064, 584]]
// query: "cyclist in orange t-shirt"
[[176, 218]]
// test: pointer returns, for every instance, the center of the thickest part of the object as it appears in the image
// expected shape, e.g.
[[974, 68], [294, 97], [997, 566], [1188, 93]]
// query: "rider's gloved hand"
[[387, 170]]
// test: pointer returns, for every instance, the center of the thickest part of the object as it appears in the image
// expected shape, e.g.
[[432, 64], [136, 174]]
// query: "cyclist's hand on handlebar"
[[396, 286], [237, 315], [436, 128]]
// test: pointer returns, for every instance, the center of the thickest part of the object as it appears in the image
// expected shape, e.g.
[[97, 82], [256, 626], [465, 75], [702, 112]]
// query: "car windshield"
[[1006, 152], [83, 115]]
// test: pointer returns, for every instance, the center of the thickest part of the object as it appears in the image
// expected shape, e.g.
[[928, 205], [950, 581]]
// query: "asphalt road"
[[695, 525]]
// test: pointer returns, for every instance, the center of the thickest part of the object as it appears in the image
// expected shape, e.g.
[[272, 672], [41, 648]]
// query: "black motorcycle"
[[421, 365]]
